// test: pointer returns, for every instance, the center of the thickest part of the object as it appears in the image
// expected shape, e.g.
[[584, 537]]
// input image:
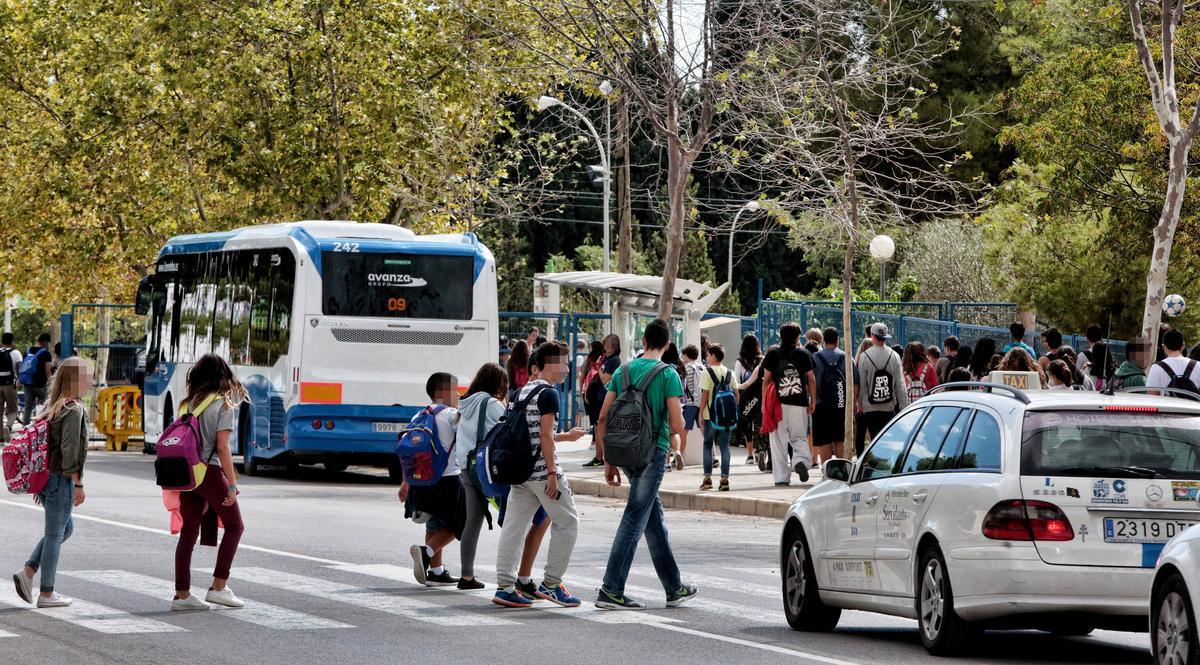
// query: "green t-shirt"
[[665, 385]]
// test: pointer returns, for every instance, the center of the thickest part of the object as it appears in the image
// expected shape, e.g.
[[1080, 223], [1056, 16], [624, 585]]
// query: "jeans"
[[643, 514], [722, 438], [32, 394], [57, 499], [212, 491]]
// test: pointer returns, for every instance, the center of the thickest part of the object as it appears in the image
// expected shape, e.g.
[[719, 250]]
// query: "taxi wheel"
[[801, 599], [1173, 624], [942, 631]]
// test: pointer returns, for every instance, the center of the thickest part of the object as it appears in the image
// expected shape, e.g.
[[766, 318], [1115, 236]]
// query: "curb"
[[680, 500]]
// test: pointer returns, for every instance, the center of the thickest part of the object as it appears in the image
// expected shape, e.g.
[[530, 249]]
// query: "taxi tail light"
[[1027, 520]]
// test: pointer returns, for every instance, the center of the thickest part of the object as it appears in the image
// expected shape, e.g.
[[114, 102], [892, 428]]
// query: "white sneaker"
[[188, 604], [24, 585], [54, 600], [224, 597]]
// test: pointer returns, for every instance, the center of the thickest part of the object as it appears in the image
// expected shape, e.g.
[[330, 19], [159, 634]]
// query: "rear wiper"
[[1122, 471]]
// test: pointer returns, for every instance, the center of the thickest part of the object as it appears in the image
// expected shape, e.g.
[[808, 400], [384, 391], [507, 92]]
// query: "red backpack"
[[27, 457]]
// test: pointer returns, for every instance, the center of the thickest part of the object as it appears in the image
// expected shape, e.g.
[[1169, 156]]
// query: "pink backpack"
[[27, 457], [177, 463]]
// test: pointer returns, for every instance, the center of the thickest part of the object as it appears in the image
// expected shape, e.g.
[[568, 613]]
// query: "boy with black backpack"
[[829, 420], [719, 401], [10, 362], [880, 387], [546, 487], [789, 366], [1176, 370]]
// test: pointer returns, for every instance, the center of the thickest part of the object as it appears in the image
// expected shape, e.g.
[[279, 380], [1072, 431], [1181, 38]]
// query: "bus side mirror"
[[145, 296], [838, 469]]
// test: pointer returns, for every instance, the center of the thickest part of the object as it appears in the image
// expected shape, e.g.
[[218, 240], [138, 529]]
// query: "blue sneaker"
[[511, 598], [558, 595]]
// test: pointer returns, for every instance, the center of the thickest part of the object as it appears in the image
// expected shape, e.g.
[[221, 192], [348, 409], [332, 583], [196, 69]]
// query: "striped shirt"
[[546, 403]]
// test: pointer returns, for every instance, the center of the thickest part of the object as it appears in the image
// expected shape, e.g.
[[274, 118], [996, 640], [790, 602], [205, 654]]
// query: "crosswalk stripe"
[[95, 617], [7, 634], [412, 608], [587, 611], [259, 614], [723, 583]]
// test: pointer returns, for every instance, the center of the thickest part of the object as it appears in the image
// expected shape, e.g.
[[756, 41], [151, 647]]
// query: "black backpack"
[[789, 382], [1178, 382], [631, 439], [881, 390], [8, 372], [510, 457], [831, 391]]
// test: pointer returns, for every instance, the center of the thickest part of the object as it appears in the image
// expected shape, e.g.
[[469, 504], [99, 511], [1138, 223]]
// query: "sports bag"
[[723, 406], [831, 391], [916, 384], [8, 373], [177, 463], [881, 389], [1180, 382], [29, 365], [507, 452], [473, 460], [420, 450], [630, 439], [26, 458]]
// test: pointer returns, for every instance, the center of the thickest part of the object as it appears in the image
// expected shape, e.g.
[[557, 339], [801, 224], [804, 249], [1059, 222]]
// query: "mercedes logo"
[[1154, 493], [312, 322]]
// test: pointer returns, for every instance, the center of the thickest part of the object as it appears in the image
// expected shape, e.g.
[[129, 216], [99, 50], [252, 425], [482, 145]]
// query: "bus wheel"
[[251, 464], [395, 472], [336, 467]]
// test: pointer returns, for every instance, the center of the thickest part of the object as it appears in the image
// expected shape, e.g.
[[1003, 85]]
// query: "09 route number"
[[345, 247], [396, 304]]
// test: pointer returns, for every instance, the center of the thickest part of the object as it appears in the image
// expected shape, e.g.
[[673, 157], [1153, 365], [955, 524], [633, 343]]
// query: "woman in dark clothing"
[[981, 358], [749, 377]]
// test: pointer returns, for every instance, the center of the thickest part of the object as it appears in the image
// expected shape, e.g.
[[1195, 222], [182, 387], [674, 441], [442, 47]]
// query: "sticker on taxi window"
[[1185, 490]]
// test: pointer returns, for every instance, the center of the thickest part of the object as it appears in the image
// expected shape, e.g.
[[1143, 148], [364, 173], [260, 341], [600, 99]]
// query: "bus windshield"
[[395, 285]]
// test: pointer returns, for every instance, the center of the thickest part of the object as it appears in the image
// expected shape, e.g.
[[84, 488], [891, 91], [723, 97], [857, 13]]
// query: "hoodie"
[[469, 409], [1129, 374]]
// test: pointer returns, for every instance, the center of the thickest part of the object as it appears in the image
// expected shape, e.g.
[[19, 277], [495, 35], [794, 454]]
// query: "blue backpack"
[[723, 407], [506, 455], [420, 451], [29, 366]]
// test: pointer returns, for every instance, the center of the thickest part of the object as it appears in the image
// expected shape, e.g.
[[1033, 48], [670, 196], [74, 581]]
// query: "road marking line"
[[95, 617], [722, 583], [586, 611], [412, 608], [7, 634], [259, 614], [756, 645]]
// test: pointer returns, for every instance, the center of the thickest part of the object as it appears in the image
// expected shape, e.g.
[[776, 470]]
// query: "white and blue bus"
[[334, 327]]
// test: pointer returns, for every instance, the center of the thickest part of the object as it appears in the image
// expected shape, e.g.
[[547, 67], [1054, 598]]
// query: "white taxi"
[[997, 508], [1175, 597]]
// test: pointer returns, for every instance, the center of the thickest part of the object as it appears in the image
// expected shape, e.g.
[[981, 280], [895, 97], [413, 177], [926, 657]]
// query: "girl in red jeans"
[[213, 393]]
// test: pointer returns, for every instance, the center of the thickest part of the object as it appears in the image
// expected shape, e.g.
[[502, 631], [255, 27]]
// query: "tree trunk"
[[624, 194], [677, 173], [848, 343], [1164, 238]]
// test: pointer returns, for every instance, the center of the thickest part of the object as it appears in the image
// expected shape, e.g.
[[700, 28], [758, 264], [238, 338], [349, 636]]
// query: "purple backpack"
[[177, 463]]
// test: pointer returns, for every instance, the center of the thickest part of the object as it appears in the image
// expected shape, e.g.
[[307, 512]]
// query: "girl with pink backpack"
[[213, 395], [66, 453]]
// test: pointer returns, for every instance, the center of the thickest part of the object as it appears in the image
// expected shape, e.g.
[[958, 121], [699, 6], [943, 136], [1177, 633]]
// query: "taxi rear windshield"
[[397, 286], [1114, 444]]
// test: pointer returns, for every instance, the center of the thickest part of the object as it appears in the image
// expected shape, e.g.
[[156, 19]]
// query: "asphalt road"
[[326, 574]]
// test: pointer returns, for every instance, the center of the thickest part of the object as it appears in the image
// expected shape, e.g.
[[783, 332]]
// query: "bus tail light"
[[328, 424], [1027, 520], [316, 423]]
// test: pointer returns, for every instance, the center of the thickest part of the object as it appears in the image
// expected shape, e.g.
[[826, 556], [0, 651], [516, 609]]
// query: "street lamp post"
[[882, 249], [751, 206]]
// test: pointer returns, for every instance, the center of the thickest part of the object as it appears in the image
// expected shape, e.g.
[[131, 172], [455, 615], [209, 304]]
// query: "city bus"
[[333, 327]]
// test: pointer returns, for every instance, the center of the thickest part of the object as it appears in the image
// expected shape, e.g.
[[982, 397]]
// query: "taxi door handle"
[[870, 501], [919, 496]]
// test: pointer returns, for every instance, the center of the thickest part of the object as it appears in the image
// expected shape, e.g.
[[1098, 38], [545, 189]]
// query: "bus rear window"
[[397, 286], [1078, 443]]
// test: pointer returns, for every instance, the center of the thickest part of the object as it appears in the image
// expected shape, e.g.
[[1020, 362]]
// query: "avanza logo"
[[393, 279]]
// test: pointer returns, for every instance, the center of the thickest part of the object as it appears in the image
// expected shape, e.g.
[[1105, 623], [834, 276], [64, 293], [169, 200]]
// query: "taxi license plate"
[[388, 428], [1141, 530]]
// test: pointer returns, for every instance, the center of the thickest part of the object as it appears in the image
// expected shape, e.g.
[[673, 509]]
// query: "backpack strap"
[[482, 420], [1170, 372], [204, 404], [1191, 367], [645, 382]]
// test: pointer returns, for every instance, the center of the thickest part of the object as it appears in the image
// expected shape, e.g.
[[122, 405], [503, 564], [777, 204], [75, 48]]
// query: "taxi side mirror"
[[838, 469]]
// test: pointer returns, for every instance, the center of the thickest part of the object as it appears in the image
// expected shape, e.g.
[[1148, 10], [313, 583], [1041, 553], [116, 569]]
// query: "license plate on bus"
[[1142, 530], [388, 428]]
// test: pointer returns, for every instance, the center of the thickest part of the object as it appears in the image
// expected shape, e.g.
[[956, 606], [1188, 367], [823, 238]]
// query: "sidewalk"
[[751, 492]]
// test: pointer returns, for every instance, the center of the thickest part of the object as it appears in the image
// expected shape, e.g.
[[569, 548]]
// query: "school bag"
[[473, 458], [422, 457], [1180, 382], [26, 458], [881, 389], [7, 372], [916, 384], [831, 392], [507, 453], [29, 365], [630, 439], [723, 406], [177, 463]]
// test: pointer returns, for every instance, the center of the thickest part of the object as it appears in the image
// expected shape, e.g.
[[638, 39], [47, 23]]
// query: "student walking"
[[478, 413], [67, 416], [880, 388], [10, 362], [518, 366], [643, 510], [546, 488], [749, 429], [595, 390], [441, 505], [34, 375], [717, 383], [948, 360], [829, 419], [1130, 373], [790, 367], [693, 371], [919, 375], [675, 360], [1176, 370], [213, 393], [1016, 332]]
